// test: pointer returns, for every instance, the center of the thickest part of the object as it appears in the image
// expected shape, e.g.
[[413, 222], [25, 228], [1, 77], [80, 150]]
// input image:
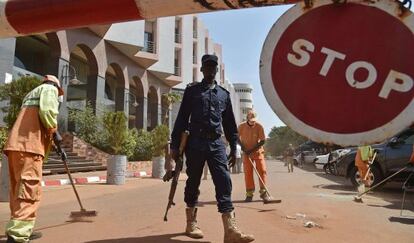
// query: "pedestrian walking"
[[27, 144], [363, 156], [302, 159], [289, 152], [206, 111], [237, 168], [252, 139]]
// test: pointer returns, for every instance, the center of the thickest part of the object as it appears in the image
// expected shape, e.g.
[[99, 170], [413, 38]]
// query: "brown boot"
[[232, 234], [192, 230]]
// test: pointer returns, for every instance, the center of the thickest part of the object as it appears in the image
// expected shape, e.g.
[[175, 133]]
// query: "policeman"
[[205, 109]]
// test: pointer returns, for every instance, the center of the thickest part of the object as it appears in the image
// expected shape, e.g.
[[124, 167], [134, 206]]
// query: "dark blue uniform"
[[206, 112]]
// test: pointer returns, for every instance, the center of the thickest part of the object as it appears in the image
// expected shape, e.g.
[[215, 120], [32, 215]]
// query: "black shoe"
[[248, 199], [35, 235]]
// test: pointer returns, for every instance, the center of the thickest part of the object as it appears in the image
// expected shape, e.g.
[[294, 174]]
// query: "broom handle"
[[369, 166], [258, 175], [386, 179], [73, 184]]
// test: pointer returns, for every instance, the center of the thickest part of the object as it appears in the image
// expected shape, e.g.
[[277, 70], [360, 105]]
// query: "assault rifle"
[[176, 172]]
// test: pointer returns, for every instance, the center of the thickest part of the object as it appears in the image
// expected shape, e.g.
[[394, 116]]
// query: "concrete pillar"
[[140, 116], [7, 50], [122, 100], [170, 121], [159, 114], [145, 114], [4, 180], [96, 92], [64, 78]]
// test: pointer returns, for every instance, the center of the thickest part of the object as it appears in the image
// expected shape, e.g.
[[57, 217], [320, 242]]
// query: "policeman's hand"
[[174, 154], [231, 158], [168, 175]]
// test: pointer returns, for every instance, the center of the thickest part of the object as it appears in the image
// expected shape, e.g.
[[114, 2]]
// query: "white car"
[[308, 157], [321, 160]]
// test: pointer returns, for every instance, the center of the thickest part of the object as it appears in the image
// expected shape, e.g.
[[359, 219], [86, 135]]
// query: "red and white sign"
[[24, 17], [341, 73]]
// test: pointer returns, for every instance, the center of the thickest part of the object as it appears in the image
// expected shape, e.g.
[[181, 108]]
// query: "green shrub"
[[15, 93], [87, 124], [130, 144], [143, 148], [160, 136], [115, 126], [3, 137]]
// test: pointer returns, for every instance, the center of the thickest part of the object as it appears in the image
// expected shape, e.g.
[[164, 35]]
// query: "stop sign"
[[341, 73]]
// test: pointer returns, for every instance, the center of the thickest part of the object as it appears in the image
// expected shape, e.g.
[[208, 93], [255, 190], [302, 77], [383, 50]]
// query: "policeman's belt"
[[206, 135]]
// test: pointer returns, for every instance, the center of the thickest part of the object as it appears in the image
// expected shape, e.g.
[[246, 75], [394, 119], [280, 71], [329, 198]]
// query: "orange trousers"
[[248, 172], [362, 169], [25, 171]]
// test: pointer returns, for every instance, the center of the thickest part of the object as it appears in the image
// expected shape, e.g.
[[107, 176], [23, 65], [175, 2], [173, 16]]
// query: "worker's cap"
[[209, 59], [55, 80], [251, 115]]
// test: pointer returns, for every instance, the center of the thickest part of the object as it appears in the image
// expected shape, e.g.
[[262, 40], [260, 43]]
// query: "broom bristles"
[[77, 214]]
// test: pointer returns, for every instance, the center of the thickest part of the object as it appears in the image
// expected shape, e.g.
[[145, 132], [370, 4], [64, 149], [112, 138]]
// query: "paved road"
[[134, 212]]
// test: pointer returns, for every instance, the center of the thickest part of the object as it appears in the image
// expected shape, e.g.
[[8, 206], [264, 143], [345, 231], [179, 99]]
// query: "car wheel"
[[374, 176]]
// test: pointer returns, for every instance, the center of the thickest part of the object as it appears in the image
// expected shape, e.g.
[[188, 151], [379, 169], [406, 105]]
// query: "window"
[[246, 100], [410, 140], [195, 27], [195, 53], [178, 30], [195, 75], [177, 62], [149, 37]]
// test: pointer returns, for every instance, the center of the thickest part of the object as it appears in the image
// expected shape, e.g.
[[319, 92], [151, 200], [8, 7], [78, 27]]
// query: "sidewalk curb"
[[90, 179]]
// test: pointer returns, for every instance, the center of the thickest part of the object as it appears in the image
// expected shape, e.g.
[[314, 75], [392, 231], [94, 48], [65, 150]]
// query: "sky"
[[242, 34]]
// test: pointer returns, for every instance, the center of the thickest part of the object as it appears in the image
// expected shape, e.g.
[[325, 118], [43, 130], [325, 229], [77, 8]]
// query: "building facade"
[[120, 67], [244, 91]]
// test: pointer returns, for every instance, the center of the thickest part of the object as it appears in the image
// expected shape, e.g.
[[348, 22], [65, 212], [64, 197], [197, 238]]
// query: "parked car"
[[392, 155], [322, 160], [308, 157]]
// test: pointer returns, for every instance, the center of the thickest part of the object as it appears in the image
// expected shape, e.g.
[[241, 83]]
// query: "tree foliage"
[[15, 92], [160, 136], [115, 126], [87, 124], [280, 138]]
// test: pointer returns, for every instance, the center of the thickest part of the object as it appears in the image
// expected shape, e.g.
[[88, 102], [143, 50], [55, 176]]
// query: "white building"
[[244, 91], [235, 100], [120, 67]]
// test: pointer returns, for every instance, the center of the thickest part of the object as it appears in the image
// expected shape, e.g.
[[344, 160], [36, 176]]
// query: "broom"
[[361, 187], [358, 198], [83, 212], [271, 201]]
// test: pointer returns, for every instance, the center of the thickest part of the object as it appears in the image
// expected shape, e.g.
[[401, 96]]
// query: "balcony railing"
[[177, 38], [149, 46], [177, 71], [194, 60], [195, 35]]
